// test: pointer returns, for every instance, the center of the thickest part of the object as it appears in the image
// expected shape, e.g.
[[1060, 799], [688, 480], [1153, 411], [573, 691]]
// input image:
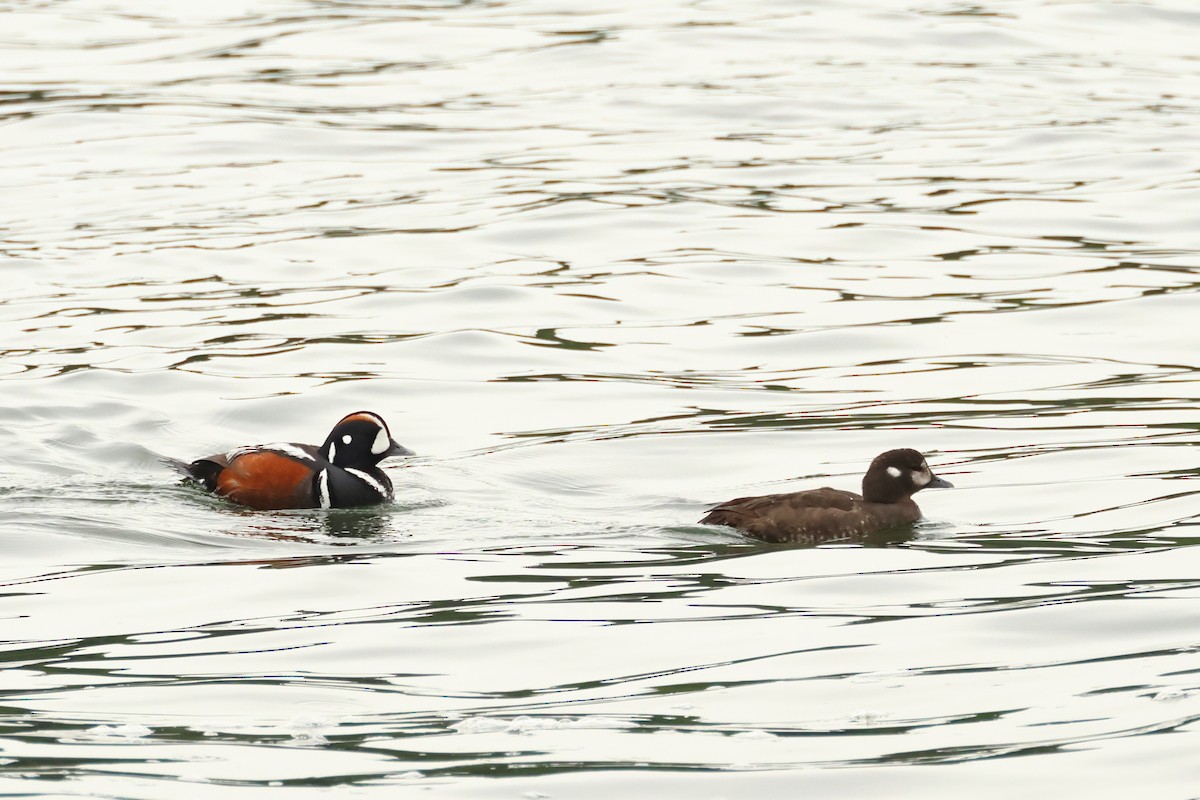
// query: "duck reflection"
[[367, 523], [336, 527]]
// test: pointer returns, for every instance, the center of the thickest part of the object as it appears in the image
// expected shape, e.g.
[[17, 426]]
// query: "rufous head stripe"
[[364, 416]]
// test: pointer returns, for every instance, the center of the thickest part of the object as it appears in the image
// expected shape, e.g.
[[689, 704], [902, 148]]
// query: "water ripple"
[[601, 267]]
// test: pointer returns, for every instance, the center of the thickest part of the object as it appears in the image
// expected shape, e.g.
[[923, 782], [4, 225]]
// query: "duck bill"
[[397, 449], [939, 483]]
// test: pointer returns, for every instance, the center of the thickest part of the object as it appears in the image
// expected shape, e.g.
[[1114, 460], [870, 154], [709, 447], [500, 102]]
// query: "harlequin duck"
[[342, 473], [821, 515]]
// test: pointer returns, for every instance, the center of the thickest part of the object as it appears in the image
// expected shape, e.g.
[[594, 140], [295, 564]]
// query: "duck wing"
[[207, 470], [807, 517]]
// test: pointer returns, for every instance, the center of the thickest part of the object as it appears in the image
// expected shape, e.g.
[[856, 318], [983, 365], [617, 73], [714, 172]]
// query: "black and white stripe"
[[323, 495], [283, 448], [372, 482]]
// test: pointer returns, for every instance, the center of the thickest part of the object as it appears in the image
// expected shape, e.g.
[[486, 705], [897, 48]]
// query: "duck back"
[[811, 517]]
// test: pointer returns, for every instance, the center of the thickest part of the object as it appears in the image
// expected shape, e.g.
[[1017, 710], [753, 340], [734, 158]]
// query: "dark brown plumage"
[[822, 515]]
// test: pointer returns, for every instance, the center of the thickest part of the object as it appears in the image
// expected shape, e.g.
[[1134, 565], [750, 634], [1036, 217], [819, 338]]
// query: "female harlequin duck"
[[342, 473], [822, 515]]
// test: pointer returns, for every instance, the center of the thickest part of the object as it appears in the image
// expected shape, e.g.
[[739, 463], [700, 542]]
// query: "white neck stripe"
[[323, 489], [367, 479]]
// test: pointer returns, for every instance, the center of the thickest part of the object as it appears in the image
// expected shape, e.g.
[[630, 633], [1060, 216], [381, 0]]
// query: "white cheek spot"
[[382, 442], [923, 477], [323, 489], [894, 472], [347, 439]]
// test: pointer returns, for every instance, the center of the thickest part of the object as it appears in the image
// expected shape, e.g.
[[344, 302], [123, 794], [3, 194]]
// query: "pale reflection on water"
[[601, 266]]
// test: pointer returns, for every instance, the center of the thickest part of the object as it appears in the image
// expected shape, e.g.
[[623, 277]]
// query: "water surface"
[[601, 265]]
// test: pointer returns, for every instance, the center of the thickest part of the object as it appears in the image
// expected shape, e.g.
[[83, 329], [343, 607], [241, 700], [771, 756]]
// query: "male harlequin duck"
[[342, 473], [821, 515]]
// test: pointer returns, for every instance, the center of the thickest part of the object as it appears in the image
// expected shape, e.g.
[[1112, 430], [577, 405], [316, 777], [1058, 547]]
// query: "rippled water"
[[601, 265]]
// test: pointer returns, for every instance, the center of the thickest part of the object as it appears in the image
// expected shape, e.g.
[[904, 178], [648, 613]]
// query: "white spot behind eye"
[[382, 442], [894, 472], [347, 439]]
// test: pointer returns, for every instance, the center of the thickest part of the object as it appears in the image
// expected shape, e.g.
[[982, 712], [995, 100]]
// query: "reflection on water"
[[605, 266]]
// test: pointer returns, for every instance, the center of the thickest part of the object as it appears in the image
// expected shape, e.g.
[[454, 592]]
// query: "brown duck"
[[821, 515]]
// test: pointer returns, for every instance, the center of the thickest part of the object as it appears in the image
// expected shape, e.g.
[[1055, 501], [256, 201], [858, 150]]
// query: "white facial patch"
[[923, 477], [347, 439], [332, 451], [894, 472], [382, 442], [323, 489], [367, 479]]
